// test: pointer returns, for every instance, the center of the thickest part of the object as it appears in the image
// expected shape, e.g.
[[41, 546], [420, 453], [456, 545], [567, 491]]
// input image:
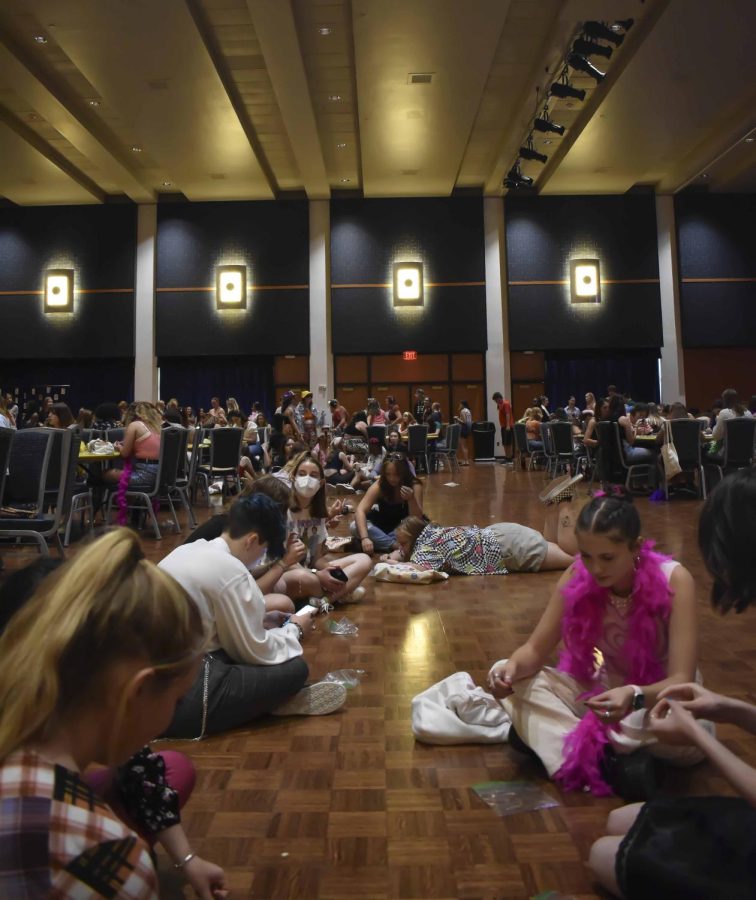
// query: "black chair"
[[6, 440], [609, 466], [90, 434], [632, 470], [183, 474], [562, 444], [686, 436], [114, 434], [417, 443], [165, 481], [377, 431], [738, 445], [224, 455], [448, 449], [29, 486], [521, 443]]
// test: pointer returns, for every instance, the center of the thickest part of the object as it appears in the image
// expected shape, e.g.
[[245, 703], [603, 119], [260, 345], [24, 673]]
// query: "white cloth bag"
[[455, 711]]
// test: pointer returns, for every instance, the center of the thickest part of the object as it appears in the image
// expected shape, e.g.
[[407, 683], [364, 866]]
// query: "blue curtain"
[[568, 372], [90, 381], [195, 380]]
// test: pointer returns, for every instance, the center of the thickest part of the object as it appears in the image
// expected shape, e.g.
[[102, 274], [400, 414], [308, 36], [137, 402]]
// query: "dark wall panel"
[[271, 239], [717, 240], [446, 235], [98, 243], [544, 233]]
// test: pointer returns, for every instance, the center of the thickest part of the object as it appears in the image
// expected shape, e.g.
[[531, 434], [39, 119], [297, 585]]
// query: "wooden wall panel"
[[527, 367], [523, 394], [401, 392], [350, 369], [427, 367], [353, 396], [292, 371], [474, 393], [468, 367], [711, 370]]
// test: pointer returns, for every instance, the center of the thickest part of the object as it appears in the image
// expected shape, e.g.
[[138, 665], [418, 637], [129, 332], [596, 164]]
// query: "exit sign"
[[409, 355]]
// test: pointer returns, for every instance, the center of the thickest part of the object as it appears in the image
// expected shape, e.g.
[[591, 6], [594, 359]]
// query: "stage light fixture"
[[603, 32], [544, 123], [564, 89], [582, 65], [529, 152], [589, 48], [515, 178]]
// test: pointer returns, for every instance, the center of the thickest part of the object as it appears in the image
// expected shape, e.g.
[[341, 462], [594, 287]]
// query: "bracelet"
[[184, 861]]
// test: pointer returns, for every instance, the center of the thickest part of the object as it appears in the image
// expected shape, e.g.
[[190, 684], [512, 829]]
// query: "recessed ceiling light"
[[750, 140], [325, 30], [40, 38], [340, 146], [343, 180], [334, 97], [547, 141], [167, 183], [136, 149], [704, 175], [93, 102]]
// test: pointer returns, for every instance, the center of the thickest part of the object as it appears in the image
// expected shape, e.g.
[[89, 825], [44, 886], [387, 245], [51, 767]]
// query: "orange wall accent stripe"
[[717, 280], [251, 287], [427, 284], [603, 281]]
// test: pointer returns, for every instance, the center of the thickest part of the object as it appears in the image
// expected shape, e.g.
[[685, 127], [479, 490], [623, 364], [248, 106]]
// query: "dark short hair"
[[726, 532], [497, 396], [172, 415], [614, 516], [262, 515]]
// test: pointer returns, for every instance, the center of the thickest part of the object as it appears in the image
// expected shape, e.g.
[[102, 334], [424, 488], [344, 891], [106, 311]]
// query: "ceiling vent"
[[420, 77]]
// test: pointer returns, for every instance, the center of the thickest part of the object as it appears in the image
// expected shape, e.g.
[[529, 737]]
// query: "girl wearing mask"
[[308, 514]]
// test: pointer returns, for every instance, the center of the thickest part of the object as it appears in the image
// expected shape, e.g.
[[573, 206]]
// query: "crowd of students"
[[102, 654]]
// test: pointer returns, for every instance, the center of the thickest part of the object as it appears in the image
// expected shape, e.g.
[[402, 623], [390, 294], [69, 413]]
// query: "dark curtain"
[[568, 372], [195, 380], [90, 381]]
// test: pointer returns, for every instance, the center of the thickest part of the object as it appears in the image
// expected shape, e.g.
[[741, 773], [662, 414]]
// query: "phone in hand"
[[339, 574]]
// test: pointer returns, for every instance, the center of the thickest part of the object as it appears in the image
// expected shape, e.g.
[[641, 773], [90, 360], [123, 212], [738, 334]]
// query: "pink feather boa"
[[123, 486], [582, 623]]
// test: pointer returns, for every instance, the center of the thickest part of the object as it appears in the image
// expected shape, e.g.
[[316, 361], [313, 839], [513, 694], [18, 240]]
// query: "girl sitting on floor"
[[90, 670], [396, 495], [699, 848], [635, 607]]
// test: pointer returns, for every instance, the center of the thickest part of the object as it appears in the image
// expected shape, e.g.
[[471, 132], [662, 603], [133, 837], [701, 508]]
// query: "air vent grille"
[[420, 78]]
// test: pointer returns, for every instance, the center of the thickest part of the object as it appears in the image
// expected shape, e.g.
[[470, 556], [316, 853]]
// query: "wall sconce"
[[59, 290], [231, 287], [585, 281], [408, 284]]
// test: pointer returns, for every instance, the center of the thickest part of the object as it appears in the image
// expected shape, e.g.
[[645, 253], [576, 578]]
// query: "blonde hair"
[[413, 527], [108, 605], [232, 405], [144, 412]]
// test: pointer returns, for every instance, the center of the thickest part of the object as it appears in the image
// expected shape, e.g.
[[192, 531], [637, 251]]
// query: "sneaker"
[[560, 489], [344, 489], [314, 700], [321, 604], [357, 594]]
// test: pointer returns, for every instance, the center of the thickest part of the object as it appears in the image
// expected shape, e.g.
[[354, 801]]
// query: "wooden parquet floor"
[[349, 805]]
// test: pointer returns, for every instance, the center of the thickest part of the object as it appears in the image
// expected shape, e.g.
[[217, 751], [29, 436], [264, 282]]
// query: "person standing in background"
[[506, 423]]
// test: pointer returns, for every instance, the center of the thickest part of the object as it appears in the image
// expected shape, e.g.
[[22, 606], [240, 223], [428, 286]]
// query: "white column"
[[672, 364], [145, 362], [498, 375], [321, 353]]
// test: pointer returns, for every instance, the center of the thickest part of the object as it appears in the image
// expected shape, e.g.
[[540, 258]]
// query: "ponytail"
[[108, 605]]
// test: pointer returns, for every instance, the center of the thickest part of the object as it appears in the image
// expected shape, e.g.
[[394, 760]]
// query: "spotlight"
[[603, 32], [529, 152], [582, 65], [515, 178], [564, 89], [544, 123], [588, 48]]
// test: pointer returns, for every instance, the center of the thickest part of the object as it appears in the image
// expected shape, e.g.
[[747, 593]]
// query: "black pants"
[[236, 694]]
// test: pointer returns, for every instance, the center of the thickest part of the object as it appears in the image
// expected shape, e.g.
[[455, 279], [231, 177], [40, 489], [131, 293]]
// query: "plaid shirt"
[[459, 550], [59, 840]]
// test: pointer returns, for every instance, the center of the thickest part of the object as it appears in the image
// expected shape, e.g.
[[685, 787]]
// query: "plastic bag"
[[350, 678], [509, 797], [343, 626]]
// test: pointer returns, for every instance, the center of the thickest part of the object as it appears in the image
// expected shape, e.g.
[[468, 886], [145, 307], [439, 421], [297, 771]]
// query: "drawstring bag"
[[669, 454]]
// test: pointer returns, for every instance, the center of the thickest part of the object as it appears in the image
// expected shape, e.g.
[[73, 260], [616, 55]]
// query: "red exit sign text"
[[409, 355]]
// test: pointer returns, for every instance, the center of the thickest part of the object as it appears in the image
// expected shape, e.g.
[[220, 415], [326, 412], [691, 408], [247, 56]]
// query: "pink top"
[[147, 447], [378, 418], [614, 634]]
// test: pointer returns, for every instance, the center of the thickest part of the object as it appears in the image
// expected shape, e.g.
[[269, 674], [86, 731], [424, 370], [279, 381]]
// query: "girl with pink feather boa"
[[635, 607]]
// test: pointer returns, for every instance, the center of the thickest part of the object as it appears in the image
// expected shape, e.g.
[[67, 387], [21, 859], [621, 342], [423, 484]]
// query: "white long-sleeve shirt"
[[231, 603]]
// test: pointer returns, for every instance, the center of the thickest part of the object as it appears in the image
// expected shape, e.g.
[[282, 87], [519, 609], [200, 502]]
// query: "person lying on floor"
[[635, 607], [697, 848], [496, 549], [249, 670]]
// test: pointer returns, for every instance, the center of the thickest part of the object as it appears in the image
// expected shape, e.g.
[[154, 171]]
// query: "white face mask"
[[306, 485]]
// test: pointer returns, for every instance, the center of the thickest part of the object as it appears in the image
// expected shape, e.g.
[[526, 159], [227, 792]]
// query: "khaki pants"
[[544, 709]]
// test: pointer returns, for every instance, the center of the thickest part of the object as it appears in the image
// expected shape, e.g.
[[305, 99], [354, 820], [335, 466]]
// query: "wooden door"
[[474, 394], [400, 392], [523, 396], [353, 397]]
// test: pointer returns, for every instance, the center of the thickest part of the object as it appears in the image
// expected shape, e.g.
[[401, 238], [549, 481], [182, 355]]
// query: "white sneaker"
[[357, 594], [314, 700]]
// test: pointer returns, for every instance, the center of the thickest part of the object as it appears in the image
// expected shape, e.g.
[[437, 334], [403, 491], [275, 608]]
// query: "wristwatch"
[[639, 698]]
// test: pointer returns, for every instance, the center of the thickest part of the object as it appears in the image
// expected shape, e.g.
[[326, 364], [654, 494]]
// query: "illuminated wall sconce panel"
[[408, 284], [231, 287], [59, 290], [585, 281]]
